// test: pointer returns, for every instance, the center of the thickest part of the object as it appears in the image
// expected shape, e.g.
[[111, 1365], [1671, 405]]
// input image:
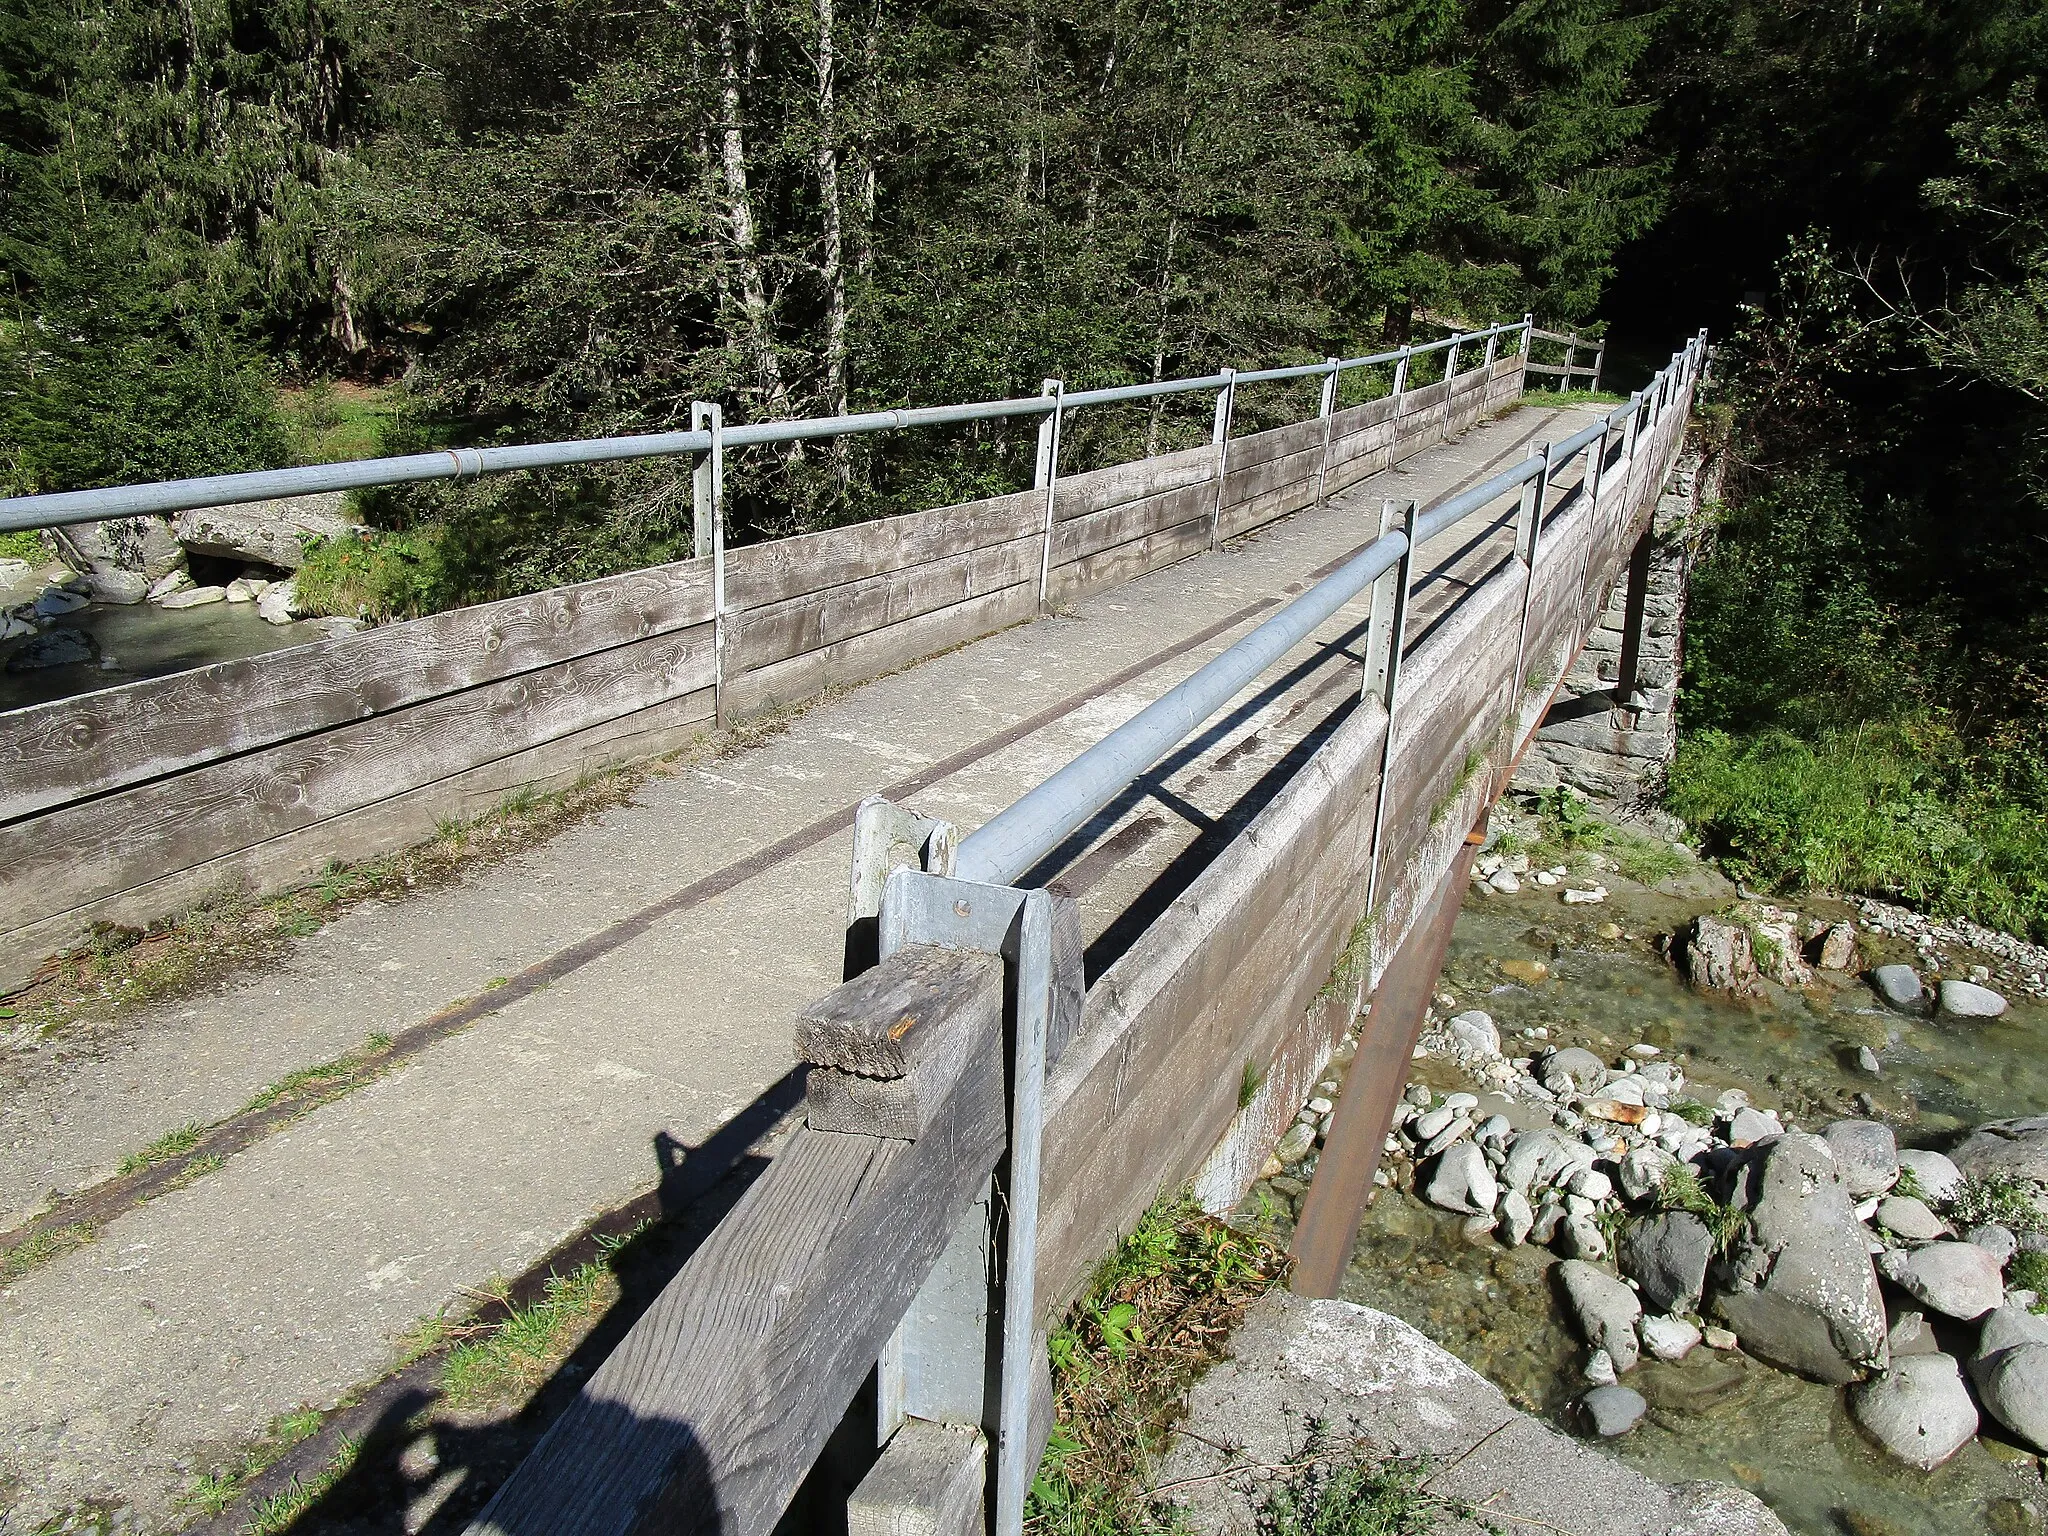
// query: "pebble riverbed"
[[1553, 974]]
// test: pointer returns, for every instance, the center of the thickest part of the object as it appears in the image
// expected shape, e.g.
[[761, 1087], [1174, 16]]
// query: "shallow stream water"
[[1715, 1415]]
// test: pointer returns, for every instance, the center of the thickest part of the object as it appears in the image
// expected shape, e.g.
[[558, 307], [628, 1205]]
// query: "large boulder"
[[2011, 1372], [1899, 986], [1774, 943], [1667, 1257], [1958, 1280], [141, 546], [273, 533], [1541, 1158], [1717, 957], [1573, 1067], [1606, 1310], [1799, 1288], [1919, 1410], [1866, 1152], [2008, 1327]]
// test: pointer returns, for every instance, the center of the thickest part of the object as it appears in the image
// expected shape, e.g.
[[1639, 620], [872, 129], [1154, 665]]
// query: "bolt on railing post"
[[707, 493], [1226, 408], [1327, 410], [1386, 637], [1046, 478]]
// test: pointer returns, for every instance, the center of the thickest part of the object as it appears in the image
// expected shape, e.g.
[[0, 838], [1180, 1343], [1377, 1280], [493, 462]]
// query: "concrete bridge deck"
[[632, 984]]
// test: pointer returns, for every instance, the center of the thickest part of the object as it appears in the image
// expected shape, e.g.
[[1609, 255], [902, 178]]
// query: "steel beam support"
[[1342, 1185]]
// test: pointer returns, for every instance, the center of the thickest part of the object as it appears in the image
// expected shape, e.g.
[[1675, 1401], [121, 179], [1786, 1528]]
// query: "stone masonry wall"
[[1614, 751]]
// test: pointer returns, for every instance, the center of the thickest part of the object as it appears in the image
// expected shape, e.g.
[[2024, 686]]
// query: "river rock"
[[2006, 1327], [1866, 1061], [145, 546], [1967, 1000], [1958, 1280], [1611, 1411], [1903, 1216], [1667, 1257], [1517, 1219], [1748, 1126], [1801, 1292], [1717, 957], [273, 533], [1774, 941], [1867, 1154], [1573, 1067], [1295, 1145], [1605, 1310], [1462, 1182], [1542, 1157], [111, 585], [1919, 1410], [1910, 1335], [2008, 1149], [1580, 1238], [1642, 1171], [194, 597], [279, 602], [1475, 1032], [1899, 986], [1505, 881], [1939, 1179], [1835, 950], [2014, 1386], [1669, 1338], [55, 602], [54, 648], [1994, 1240], [13, 572]]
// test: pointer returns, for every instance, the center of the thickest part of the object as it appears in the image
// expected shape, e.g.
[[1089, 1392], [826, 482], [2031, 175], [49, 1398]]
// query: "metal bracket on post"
[[707, 493], [1226, 409], [1047, 478], [1386, 635], [1528, 538], [932, 1368], [1326, 409], [888, 837]]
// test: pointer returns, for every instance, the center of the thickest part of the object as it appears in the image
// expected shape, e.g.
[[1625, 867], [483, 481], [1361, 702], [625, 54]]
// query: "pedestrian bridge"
[[1093, 815]]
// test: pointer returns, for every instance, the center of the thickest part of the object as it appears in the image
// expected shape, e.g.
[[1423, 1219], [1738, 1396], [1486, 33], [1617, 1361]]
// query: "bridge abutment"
[[1612, 729]]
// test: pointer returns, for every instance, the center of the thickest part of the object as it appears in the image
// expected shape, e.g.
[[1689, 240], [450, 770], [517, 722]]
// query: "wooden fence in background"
[[125, 805]]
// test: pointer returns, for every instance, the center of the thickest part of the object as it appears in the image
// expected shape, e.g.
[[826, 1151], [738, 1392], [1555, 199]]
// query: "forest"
[[239, 233]]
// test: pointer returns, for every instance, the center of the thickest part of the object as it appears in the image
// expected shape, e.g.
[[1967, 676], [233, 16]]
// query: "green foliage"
[[378, 576], [1996, 1200], [1570, 830], [1248, 1084], [1908, 1184], [1324, 1494], [2028, 1271], [24, 544], [1683, 1191], [1886, 809], [1692, 1111]]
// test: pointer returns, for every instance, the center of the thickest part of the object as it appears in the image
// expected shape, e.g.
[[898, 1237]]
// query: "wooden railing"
[[1572, 343], [875, 1239], [123, 805]]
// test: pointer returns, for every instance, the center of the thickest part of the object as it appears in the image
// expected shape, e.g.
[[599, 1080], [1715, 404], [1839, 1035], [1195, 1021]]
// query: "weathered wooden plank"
[[863, 656], [928, 1482], [715, 1405], [1097, 490], [1083, 536], [1276, 443], [887, 1020], [278, 863], [762, 636], [1264, 508], [68, 749], [757, 575], [1356, 418], [1110, 567], [80, 853], [1252, 480]]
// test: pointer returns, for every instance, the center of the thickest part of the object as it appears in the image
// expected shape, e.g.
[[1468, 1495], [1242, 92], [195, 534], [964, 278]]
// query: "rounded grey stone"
[[1612, 1411], [1967, 1000], [1584, 1070], [1899, 985], [1919, 1410], [1903, 1216], [1994, 1240], [2015, 1391], [1667, 1257], [1867, 1153], [1938, 1178], [1606, 1310], [1958, 1280]]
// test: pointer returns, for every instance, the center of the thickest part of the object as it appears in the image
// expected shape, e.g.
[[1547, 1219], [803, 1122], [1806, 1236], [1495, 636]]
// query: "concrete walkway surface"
[[657, 955]]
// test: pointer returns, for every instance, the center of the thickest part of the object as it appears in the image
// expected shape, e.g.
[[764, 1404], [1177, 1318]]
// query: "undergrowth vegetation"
[[1569, 831]]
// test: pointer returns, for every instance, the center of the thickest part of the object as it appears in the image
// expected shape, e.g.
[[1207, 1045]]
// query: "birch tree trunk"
[[740, 230]]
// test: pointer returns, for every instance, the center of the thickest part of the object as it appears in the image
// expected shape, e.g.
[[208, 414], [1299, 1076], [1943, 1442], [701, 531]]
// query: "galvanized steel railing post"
[[1327, 410], [1528, 539], [707, 494], [1226, 408], [1492, 349], [1451, 361], [1047, 478], [1386, 637], [1528, 331]]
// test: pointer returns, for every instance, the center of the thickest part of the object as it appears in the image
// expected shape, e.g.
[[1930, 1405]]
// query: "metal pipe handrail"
[[59, 508], [1018, 838]]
